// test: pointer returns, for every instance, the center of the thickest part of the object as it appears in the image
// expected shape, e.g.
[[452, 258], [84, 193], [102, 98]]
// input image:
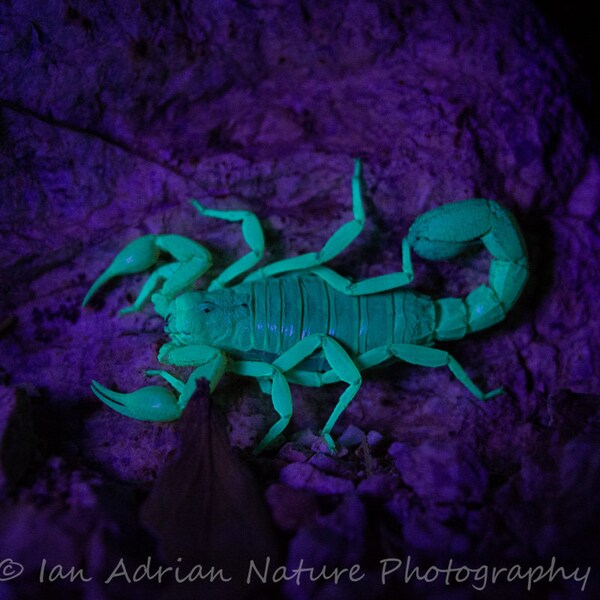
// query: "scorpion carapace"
[[298, 321]]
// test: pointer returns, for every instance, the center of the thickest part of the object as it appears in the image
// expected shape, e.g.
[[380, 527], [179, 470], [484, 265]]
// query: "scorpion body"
[[273, 315], [298, 321]]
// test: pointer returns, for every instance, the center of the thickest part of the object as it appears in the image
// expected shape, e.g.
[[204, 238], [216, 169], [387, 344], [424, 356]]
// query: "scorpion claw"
[[151, 403], [136, 257]]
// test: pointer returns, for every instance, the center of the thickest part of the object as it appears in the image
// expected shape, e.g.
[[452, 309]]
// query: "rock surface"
[[114, 114]]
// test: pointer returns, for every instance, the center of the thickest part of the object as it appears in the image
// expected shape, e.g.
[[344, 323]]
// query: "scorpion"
[[298, 321]]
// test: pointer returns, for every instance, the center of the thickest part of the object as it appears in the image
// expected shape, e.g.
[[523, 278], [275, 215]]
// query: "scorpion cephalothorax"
[[297, 321]]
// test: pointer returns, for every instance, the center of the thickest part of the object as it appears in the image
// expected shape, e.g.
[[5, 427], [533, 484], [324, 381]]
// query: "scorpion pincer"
[[298, 321]]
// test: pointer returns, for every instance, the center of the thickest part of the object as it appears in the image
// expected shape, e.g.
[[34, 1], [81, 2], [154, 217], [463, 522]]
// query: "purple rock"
[[113, 114], [426, 532], [352, 436], [73, 521], [290, 507], [441, 471], [374, 439], [378, 485], [305, 476], [293, 453], [333, 465], [336, 540]]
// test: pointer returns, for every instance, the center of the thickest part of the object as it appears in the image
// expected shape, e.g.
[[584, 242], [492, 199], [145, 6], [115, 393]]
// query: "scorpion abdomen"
[[287, 309]]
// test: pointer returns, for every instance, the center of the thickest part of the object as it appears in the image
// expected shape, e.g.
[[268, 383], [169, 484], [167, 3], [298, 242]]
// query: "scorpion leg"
[[253, 236], [342, 365], [303, 377], [280, 395], [424, 357], [338, 241], [343, 369], [310, 378], [192, 260], [373, 285]]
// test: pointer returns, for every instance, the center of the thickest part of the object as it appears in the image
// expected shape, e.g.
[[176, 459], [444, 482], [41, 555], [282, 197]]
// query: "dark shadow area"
[[578, 26]]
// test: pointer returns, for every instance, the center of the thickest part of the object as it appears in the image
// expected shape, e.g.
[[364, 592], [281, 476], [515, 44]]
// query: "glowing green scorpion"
[[298, 321]]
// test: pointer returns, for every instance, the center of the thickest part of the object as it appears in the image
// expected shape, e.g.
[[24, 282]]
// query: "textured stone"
[[291, 507], [72, 517], [337, 539], [352, 436], [441, 472], [304, 476], [113, 114]]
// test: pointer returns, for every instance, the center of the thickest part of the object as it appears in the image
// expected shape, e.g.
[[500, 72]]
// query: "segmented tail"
[[449, 230]]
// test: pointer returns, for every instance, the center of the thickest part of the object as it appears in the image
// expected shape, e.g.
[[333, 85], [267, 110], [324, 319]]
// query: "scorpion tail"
[[449, 230]]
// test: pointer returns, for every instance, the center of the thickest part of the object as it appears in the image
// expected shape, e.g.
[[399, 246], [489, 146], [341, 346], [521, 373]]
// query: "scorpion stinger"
[[299, 321]]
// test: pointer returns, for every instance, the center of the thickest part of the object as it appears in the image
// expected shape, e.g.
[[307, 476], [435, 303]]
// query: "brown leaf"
[[206, 508]]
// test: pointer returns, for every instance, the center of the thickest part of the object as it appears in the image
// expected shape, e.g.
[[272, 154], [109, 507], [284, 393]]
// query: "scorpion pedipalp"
[[137, 256], [151, 403], [191, 262]]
